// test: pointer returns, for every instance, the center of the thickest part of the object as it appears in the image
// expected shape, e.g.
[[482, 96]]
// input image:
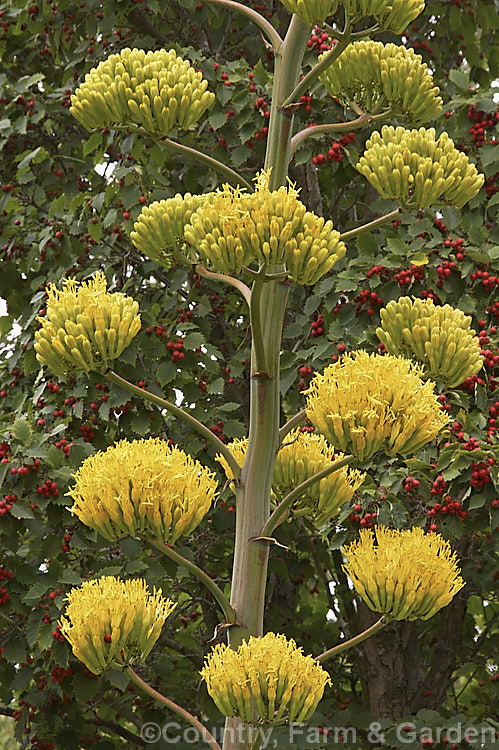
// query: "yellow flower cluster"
[[159, 229], [418, 169], [142, 487], [154, 90], [367, 403], [232, 229], [377, 76], [299, 458], [267, 680], [439, 337], [85, 326], [391, 15], [110, 621], [406, 575]]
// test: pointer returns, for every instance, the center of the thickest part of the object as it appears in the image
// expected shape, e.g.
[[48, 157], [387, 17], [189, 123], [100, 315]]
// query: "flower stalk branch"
[[337, 127], [113, 377], [291, 424], [280, 512], [186, 715], [254, 16], [370, 226], [210, 584], [236, 283], [193, 153], [378, 625]]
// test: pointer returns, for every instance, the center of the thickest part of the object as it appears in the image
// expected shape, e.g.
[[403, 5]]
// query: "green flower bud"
[[157, 91], [418, 170], [376, 76]]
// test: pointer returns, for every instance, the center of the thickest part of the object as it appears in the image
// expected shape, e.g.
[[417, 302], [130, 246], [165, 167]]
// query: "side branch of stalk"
[[204, 734], [113, 377]]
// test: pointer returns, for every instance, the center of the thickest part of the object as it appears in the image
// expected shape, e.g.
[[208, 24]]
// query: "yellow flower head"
[[85, 326], [377, 76], [439, 337], [154, 90], [418, 169], [232, 229], [267, 676], [406, 575], [142, 487], [391, 15], [108, 620], [301, 456], [159, 229], [366, 403]]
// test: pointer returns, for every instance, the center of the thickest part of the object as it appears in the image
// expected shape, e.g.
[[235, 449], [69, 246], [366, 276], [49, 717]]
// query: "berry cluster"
[[59, 673], [492, 423], [305, 374], [493, 309], [448, 507], [217, 429], [380, 271], [317, 326], [306, 102], [48, 488], [406, 276], [7, 503], [334, 153], [87, 433], [217, 304], [481, 124], [66, 540], [370, 299], [456, 245], [469, 383], [366, 521], [411, 484], [184, 314], [480, 473], [319, 40], [444, 406], [176, 349], [57, 635], [63, 446], [488, 281], [444, 271], [439, 486]]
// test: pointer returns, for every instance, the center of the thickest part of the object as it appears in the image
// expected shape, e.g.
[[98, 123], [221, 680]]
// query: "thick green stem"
[[178, 412], [253, 494], [249, 575], [210, 584], [286, 74], [204, 734], [352, 642]]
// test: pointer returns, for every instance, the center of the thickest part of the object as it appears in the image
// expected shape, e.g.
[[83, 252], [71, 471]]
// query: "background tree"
[[68, 204]]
